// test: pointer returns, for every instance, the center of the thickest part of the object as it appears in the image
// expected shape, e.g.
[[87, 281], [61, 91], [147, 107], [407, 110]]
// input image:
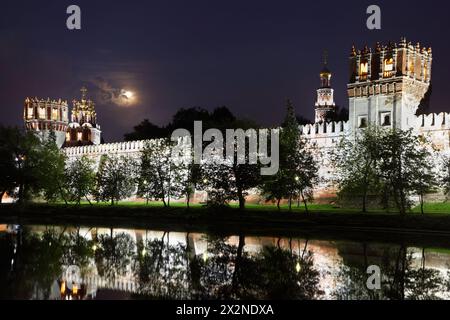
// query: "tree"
[[158, 172], [403, 159], [298, 170], [20, 158], [50, 170], [115, 178], [80, 179], [231, 178], [8, 166], [145, 130], [189, 177], [306, 173], [445, 177], [356, 163], [424, 178]]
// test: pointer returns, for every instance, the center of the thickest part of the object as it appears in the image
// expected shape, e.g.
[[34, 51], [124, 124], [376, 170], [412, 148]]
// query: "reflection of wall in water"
[[329, 256]]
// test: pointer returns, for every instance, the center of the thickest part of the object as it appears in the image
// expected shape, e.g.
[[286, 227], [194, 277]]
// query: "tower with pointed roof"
[[83, 128], [325, 107]]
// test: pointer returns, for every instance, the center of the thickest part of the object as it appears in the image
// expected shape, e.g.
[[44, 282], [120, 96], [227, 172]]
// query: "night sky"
[[247, 55]]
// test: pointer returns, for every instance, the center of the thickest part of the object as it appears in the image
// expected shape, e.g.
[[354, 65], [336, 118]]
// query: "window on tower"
[[386, 119], [41, 113], [54, 114], [388, 67], [30, 113], [363, 70], [362, 122]]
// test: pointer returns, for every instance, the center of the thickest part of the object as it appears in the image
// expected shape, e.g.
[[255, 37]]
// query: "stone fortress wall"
[[388, 84]]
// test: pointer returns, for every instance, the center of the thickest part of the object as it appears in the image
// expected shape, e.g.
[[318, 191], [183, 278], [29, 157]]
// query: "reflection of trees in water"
[[37, 263], [113, 255], [78, 251], [224, 271], [162, 269], [399, 280]]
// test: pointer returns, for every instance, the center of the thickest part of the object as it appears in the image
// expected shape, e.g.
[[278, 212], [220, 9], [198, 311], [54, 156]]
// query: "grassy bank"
[[255, 219]]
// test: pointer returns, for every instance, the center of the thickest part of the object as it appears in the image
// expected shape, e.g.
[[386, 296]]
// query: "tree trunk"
[[188, 199], [21, 192], [62, 194], [237, 266], [403, 201], [89, 201], [290, 202], [241, 202], [304, 202], [278, 203], [421, 204], [364, 200]]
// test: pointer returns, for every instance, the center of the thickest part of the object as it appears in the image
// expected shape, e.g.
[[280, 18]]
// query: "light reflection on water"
[[45, 262]]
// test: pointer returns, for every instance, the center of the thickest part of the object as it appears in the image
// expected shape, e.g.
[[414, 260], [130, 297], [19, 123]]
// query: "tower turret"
[[43, 116], [325, 106], [83, 128], [387, 84]]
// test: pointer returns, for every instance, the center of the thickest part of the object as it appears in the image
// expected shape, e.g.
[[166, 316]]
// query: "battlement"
[[107, 148], [324, 129], [390, 61], [41, 109], [433, 121]]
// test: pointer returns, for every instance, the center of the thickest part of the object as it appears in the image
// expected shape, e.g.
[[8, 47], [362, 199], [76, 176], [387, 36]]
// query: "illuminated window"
[[389, 64], [363, 70], [80, 136], [41, 113], [388, 67], [54, 114], [67, 136], [30, 113], [411, 67]]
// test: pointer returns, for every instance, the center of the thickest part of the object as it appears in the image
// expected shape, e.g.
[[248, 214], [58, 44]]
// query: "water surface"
[[72, 262]]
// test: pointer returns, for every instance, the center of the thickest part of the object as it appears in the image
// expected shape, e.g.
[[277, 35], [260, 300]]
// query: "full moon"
[[128, 94]]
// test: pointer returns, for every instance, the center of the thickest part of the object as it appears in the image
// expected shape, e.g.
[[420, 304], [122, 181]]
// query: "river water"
[[73, 262]]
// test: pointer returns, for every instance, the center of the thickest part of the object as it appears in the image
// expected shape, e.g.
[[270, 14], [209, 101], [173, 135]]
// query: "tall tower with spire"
[[83, 128], [325, 106]]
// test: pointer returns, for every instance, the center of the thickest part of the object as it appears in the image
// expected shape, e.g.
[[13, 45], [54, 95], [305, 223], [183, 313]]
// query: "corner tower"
[[44, 116], [325, 107], [387, 84], [83, 128]]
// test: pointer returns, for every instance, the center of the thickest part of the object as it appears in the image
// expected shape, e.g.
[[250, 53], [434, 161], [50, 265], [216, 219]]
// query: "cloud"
[[109, 94]]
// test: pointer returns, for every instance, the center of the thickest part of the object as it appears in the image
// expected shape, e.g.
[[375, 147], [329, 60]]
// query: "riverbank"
[[227, 221]]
